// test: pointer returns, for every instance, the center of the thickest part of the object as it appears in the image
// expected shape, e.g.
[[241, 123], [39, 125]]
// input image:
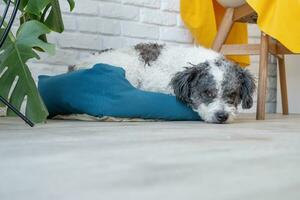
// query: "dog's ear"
[[181, 83], [247, 88]]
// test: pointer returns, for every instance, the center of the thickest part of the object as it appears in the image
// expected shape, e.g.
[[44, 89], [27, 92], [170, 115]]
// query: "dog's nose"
[[221, 116]]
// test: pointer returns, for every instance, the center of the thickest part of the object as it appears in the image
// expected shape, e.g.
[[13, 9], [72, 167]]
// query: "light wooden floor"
[[75, 160]]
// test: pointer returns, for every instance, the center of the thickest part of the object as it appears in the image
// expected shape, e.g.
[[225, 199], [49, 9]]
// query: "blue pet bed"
[[104, 91]]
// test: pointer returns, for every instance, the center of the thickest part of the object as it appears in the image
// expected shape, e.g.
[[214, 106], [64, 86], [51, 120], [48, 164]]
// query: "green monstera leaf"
[[49, 12], [36, 7], [16, 81], [54, 20], [72, 4]]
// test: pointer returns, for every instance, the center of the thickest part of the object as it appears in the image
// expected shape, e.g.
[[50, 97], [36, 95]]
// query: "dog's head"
[[214, 89]]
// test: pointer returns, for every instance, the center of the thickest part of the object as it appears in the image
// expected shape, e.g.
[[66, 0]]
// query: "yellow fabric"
[[202, 17], [280, 19]]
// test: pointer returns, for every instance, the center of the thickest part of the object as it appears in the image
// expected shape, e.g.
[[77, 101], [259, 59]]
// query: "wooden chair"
[[246, 14]]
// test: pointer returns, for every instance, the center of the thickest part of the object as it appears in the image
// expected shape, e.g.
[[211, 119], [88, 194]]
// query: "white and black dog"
[[203, 79]]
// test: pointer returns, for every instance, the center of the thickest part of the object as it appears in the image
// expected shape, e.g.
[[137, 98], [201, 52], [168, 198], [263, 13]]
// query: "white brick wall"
[[101, 24]]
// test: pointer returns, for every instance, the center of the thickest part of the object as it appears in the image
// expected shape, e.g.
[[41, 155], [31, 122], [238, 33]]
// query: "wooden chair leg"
[[263, 75], [283, 86], [224, 29]]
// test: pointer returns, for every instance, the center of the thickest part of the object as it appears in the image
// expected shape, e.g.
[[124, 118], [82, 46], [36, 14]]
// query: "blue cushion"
[[104, 91]]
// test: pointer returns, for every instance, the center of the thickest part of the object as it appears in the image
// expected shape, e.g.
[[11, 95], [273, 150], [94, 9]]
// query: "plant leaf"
[[47, 12], [36, 6], [54, 20], [15, 71], [23, 4], [72, 4]]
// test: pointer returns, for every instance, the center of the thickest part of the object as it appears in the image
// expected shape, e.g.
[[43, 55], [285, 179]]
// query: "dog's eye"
[[209, 94], [232, 95]]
